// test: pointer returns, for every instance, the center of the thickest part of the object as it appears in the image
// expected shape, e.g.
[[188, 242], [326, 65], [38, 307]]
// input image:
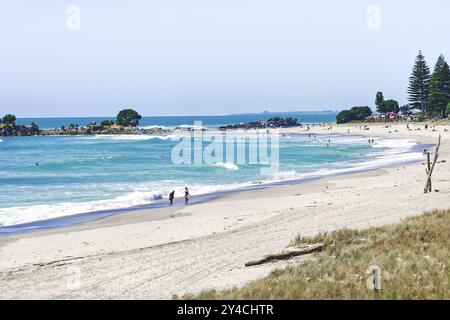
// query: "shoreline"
[[203, 246], [87, 217]]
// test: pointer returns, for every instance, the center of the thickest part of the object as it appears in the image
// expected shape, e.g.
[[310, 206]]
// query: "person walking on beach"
[[171, 197], [187, 195]]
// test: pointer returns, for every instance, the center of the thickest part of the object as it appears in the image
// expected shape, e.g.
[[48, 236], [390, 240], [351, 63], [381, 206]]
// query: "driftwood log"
[[287, 254], [430, 172]]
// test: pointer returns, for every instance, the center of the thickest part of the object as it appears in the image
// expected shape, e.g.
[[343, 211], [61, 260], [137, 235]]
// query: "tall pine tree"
[[380, 103], [439, 95], [419, 84]]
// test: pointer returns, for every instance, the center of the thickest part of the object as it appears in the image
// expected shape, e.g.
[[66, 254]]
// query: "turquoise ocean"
[[61, 177]]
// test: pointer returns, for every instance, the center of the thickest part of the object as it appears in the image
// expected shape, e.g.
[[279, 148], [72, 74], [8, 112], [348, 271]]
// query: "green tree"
[[419, 84], [343, 117], [391, 106], [354, 114], [9, 119], [448, 109], [128, 117], [361, 113], [439, 95], [405, 109], [292, 121], [107, 123], [380, 103]]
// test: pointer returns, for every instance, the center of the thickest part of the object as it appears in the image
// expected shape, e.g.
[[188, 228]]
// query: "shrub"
[[107, 123], [9, 119], [128, 117], [354, 114]]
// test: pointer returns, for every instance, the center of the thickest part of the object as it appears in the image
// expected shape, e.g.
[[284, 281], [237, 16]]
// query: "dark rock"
[[271, 123], [19, 130]]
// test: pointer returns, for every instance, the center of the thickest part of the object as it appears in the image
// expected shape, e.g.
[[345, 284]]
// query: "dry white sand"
[[157, 253]]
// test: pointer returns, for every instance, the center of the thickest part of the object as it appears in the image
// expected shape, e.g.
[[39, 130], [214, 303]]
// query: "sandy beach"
[[155, 254]]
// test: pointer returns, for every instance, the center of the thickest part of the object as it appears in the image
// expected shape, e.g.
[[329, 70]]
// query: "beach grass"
[[413, 256]]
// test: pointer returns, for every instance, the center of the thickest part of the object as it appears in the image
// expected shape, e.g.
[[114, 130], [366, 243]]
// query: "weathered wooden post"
[[430, 171], [374, 280]]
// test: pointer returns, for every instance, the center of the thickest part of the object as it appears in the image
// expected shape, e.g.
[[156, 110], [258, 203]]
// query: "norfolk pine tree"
[[419, 84], [439, 95]]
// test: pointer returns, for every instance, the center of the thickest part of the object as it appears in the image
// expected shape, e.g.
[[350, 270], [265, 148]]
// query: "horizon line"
[[196, 115]]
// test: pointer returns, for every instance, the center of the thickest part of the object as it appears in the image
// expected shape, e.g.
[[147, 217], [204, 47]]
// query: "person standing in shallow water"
[[171, 197], [187, 195]]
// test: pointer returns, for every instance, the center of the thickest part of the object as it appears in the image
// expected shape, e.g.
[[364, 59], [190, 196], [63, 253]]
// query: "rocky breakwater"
[[94, 129], [267, 124], [19, 130]]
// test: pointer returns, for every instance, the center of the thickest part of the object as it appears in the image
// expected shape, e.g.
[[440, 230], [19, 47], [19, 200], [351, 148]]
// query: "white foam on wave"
[[189, 126], [334, 139], [377, 162], [172, 137], [1, 140], [394, 144], [393, 151], [19, 215], [283, 176], [133, 137], [155, 127], [226, 165]]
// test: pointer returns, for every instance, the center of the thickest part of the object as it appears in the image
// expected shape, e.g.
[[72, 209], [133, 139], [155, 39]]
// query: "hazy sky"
[[199, 57]]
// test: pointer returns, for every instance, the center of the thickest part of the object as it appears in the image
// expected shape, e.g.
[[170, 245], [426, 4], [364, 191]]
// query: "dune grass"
[[413, 255]]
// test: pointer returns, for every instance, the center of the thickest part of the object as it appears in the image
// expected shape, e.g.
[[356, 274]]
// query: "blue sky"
[[207, 57]]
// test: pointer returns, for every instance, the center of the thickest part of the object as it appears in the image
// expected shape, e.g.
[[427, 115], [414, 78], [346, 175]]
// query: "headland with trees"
[[126, 122]]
